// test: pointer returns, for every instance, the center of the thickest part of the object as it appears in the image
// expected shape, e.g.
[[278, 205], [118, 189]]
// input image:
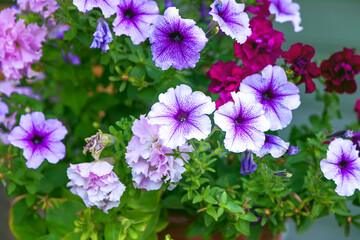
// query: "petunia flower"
[[182, 115], [277, 96], [286, 11], [169, 3], [244, 123], [102, 36], [273, 145], [226, 78], [300, 56], [261, 8], [39, 138], [262, 47], [340, 70], [247, 163], [96, 184], [293, 150], [232, 19], [175, 41], [107, 6], [44, 7], [151, 162], [4, 109], [342, 164], [133, 18]]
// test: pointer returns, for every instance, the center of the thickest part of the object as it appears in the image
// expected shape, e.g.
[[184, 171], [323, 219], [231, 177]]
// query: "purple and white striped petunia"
[[275, 93], [102, 36], [286, 11], [175, 41], [107, 6], [342, 164], [273, 145], [39, 138], [133, 18], [232, 19], [182, 115], [244, 123]]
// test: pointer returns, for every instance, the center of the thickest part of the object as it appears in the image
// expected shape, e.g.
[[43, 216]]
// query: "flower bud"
[[283, 174], [96, 143]]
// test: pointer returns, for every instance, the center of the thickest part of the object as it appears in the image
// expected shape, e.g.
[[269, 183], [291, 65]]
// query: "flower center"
[[301, 62], [343, 164], [238, 120], [344, 69], [128, 14], [176, 36], [268, 95], [36, 139], [182, 116]]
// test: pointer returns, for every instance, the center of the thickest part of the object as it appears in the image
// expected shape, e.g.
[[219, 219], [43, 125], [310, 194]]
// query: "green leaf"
[[249, 217], [210, 199], [212, 212], [223, 198], [74, 98], [112, 230], [305, 225], [71, 236], [243, 227], [197, 199], [233, 207]]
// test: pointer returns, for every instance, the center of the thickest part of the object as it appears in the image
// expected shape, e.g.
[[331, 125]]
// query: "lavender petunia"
[[342, 164], [273, 145], [286, 11], [275, 93], [181, 114], [247, 163], [133, 18], [4, 109], [293, 150], [96, 184], [168, 3], [39, 138], [175, 41], [232, 19], [44, 7], [107, 6], [102, 36], [150, 160], [244, 123]]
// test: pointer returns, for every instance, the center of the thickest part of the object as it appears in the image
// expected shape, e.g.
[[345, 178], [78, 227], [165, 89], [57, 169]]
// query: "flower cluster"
[[20, 45], [151, 162], [96, 184], [44, 7]]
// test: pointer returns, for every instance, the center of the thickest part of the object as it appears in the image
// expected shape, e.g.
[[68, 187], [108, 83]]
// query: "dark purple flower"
[[340, 70], [39, 138], [102, 36], [107, 6], [168, 4], [244, 123], [182, 115], [70, 58], [275, 93], [293, 150], [286, 11], [247, 163], [273, 145], [175, 41], [342, 164], [300, 56], [133, 18], [262, 47], [232, 19]]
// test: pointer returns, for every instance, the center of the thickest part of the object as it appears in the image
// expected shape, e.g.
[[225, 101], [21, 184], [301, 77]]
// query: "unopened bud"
[[96, 143], [283, 174], [293, 150]]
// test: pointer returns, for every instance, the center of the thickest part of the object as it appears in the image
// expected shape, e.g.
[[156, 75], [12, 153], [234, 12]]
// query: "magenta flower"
[[133, 18], [107, 6], [275, 93], [286, 11], [342, 164], [261, 8], [262, 47], [244, 123], [181, 115], [273, 145], [44, 7], [39, 138], [102, 36], [175, 41], [20, 45], [96, 184], [147, 156], [232, 19]]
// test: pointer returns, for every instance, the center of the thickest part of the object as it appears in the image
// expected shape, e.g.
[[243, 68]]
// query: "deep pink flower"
[[300, 56], [263, 47], [20, 45], [261, 8], [340, 70], [226, 78], [357, 108]]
